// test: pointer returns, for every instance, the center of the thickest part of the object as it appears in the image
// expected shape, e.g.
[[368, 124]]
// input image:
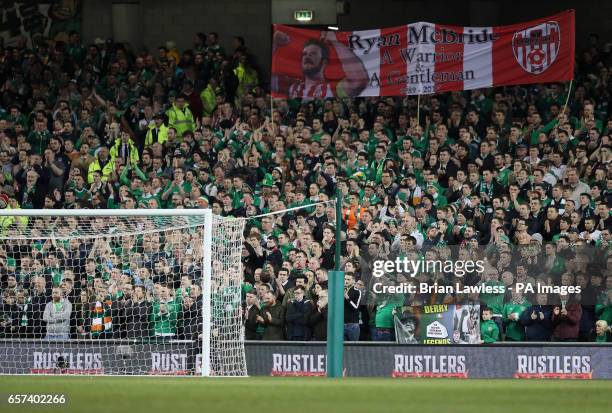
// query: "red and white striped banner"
[[420, 58]]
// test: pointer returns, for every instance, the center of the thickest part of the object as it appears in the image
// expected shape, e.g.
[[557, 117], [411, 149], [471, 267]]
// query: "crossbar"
[[100, 212]]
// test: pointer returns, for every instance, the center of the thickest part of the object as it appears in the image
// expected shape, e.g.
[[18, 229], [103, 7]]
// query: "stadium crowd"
[[503, 174]]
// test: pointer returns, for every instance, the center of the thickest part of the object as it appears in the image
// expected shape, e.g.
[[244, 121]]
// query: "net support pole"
[[338, 235], [335, 309], [418, 109], [569, 92], [206, 291]]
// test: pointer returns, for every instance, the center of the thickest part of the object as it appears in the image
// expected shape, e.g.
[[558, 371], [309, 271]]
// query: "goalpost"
[[121, 292]]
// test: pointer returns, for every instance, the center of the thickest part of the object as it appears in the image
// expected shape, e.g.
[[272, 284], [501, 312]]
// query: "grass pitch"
[[318, 395]]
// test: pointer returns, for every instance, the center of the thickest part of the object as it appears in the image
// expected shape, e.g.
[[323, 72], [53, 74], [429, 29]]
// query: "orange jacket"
[[352, 215]]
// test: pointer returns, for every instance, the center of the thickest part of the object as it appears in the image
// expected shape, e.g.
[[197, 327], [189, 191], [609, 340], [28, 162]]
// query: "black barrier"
[[525, 360]]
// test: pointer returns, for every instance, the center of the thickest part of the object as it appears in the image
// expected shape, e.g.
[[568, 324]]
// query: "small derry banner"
[[438, 324]]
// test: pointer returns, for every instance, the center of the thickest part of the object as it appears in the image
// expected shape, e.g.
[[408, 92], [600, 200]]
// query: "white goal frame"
[[207, 251]]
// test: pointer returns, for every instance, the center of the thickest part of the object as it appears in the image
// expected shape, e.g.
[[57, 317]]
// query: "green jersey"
[[515, 331], [384, 311], [489, 332], [603, 310], [165, 318]]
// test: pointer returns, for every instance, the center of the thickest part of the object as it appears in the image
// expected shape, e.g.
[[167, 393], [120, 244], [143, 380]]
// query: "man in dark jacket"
[[38, 300], [445, 167], [135, 315], [318, 318], [31, 195], [190, 324], [9, 313], [537, 320], [587, 298], [488, 188], [25, 314], [251, 313], [352, 300], [298, 311], [273, 318], [190, 327]]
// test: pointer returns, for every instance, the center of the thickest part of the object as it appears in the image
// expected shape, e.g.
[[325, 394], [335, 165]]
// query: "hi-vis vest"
[[115, 151], [162, 134], [181, 120], [6, 222], [106, 171]]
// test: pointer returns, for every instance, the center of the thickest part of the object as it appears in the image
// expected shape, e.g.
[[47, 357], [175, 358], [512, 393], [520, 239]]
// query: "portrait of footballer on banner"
[[328, 68]]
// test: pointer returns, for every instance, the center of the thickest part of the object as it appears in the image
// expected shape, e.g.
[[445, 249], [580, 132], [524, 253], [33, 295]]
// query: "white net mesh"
[[120, 295], [226, 334]]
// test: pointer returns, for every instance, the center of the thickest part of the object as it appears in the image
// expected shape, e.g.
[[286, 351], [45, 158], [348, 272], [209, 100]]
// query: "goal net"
[[121, 293]]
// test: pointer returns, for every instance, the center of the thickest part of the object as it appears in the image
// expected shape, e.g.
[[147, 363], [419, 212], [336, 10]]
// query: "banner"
[[21, 22], [420, 58], [438, 324], [521, 361], [118, 357], [95, 357]]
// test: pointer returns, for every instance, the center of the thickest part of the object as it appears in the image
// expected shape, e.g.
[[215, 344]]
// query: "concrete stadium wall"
[[179, 20], [591, 15]]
